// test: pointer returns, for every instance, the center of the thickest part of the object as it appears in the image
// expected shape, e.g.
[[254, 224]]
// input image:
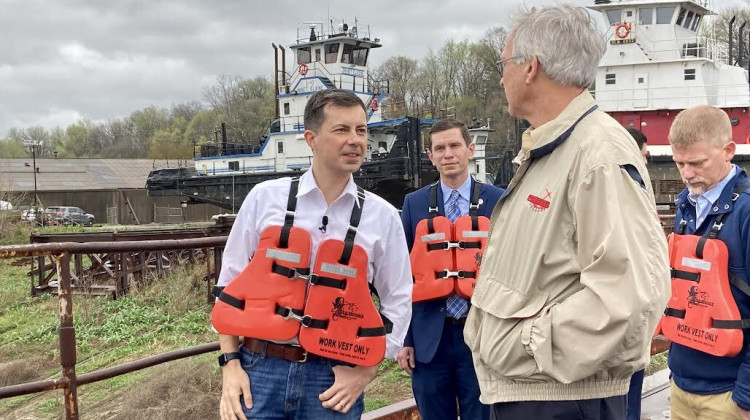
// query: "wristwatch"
[[226, 357]]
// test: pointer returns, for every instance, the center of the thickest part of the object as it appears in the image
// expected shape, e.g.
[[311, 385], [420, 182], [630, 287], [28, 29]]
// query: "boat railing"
[[658, 97], [351, 81], [670, 49], [358, 30]]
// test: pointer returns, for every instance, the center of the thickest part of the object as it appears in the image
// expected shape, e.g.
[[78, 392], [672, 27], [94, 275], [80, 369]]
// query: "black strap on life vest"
[[737, 282], [231, 300], [289, 272], [686, 275], [327, 281], [447, 245], [353, 225], [677, 313], [713, 233], [387, 328], [474, 205], [461, 274], [433, 209], [291, 207]]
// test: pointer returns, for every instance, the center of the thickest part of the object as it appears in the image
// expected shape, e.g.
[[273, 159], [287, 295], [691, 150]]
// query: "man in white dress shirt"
[[269, 379]]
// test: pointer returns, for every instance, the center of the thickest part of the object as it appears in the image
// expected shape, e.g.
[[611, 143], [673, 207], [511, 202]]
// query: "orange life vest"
[[338, 318], [445, 257], [702, 313]]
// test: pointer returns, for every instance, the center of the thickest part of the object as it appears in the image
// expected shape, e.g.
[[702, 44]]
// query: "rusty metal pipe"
[[33, 250], [32, 388], [133, 366], [67, 338]]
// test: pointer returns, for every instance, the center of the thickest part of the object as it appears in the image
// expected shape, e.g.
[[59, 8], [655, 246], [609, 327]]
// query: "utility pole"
[[32, 146]]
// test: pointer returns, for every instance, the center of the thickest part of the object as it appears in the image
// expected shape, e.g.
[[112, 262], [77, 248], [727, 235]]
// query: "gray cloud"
[[71, 59]]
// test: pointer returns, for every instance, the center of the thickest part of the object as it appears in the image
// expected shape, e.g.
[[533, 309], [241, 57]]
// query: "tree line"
[[459, 80]]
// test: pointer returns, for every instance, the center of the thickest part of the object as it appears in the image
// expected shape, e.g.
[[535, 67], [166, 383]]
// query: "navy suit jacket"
[[428, 317]]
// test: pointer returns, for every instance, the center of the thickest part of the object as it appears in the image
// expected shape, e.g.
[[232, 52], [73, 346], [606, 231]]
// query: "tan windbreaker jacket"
[[575, 275]]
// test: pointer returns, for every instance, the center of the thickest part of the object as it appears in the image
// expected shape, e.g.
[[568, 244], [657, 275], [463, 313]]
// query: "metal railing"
[[67, 337]]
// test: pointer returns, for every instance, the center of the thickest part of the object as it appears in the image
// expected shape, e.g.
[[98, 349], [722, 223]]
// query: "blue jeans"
[[287, 390]]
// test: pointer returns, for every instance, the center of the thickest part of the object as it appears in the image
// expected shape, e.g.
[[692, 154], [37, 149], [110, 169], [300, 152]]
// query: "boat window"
[[614, 16], [681, 16], [688, 20], [696, 22], [664, 15], [280, 147], [481, 140], [317, 54], [303, 55], [234, 165], [629, 13], [332, 53], [286, 108], [646, 15], [609, 79], [354, 55], [689, 74]]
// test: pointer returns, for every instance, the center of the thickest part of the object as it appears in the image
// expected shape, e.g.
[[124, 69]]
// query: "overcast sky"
[[63, 60]]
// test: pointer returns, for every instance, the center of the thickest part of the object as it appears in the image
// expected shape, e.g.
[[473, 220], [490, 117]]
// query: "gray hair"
[[564, 38]]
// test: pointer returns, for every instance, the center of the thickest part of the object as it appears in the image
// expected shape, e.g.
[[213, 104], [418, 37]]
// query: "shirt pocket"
[[505, 311]]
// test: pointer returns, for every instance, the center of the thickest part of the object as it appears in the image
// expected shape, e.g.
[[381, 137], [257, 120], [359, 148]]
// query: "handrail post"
[[67, 336]]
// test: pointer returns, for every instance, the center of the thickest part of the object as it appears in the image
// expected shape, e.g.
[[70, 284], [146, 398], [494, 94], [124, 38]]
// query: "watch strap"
[[224, 358]]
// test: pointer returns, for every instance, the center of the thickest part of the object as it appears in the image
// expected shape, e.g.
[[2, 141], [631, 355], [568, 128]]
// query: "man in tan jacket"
[[573, 285]]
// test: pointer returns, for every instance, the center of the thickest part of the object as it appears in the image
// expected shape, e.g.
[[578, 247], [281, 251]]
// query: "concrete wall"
[[97, 201]]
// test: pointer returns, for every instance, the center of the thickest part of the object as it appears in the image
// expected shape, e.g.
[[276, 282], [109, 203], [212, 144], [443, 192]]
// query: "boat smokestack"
[[283, 67], [741, 45], [731, 40], [223, 139], [276, 77]]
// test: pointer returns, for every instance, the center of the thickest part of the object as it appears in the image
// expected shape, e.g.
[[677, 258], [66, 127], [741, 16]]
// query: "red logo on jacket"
[[540, 203]]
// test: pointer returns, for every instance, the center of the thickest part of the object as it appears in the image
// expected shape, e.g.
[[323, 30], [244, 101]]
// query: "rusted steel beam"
[[135, 235], [32, 388], [659, 344], [16, 251], [133, 366], [67, 337]]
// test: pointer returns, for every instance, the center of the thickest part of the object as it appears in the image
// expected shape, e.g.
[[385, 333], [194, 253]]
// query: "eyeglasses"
[[501, 65]]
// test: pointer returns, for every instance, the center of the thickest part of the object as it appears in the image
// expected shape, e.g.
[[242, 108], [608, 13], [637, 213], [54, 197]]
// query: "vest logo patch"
[[345, 310], [697, 297], [539, 203]]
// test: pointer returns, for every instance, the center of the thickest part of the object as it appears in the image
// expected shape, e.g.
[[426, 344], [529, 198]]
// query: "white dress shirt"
[[380, 233]]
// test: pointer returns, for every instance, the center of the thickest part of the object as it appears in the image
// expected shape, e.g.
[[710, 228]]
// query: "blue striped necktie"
[[455, 306]]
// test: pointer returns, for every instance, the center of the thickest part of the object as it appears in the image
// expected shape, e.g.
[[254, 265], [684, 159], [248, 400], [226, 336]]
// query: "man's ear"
[[310, 139], [531, 70]]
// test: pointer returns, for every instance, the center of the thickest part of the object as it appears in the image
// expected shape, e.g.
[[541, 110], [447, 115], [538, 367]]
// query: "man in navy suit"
[[434, 351]]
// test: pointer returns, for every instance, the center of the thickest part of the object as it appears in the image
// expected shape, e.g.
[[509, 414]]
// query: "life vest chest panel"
[[701, 298], [349, 309], [469, 259], [425, 263], [261, 291]]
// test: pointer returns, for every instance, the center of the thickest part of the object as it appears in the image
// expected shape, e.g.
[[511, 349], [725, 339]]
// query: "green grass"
[[168, 314]]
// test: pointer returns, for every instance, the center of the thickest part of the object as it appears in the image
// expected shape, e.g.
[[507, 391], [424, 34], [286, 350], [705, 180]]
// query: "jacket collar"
[[724, 203], [542, 140]]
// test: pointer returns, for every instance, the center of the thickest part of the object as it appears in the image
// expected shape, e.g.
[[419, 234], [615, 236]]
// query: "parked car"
[[65, 215], [31, 214]]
